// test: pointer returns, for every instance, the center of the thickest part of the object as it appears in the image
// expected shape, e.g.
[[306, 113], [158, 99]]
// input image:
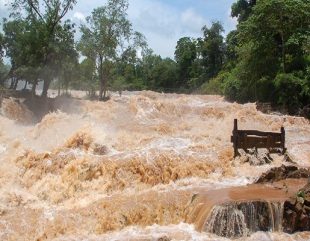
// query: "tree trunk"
[[101, 90], [15, 83], [12, 84], [101, 77], [105, 86], [25, 86], [46, 86], [33, 88], [59, 87]]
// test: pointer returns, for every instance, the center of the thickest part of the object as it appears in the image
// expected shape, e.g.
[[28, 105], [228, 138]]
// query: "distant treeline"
[[265, 59]]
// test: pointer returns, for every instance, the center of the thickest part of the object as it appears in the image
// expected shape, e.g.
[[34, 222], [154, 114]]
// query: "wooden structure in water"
[[246, 139]]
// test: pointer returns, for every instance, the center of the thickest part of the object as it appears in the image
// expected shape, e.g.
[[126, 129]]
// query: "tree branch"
[[31, 4]]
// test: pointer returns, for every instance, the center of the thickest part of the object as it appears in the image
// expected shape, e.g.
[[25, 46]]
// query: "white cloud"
[[4, 12], [4, 2], [164, 25], [192, 21], [230, 23], [80, 16], [161, 22]]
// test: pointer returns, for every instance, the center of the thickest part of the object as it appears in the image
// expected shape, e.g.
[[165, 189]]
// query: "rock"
[[299, 173], [307, 201], [296, 216], [305, 111], [304, 222], [99, 149], [164, 238], [255, 157], [244, 159], [289, 220], [288, 158], [283, 172]]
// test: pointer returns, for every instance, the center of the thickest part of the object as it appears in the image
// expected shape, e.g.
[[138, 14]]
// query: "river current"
[[128, 168]]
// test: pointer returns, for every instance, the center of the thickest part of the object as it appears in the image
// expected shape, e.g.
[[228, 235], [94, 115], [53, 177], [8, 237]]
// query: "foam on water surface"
[[103, 168], [2, 148]]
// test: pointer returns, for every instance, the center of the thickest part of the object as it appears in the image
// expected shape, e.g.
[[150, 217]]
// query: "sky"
[[163, 22]]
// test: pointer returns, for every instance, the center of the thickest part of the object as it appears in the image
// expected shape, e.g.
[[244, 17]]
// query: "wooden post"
[[283, 139], [235, 137]]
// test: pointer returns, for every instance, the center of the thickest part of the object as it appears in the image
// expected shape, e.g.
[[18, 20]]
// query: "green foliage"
[[268, 54], [233, 89], [265, 28], [4, 71], [36, 40], [107, 31], [292, 91], [185, 56], [242, 9], [231, 51], [119, 84], [212, 49], [215, 86], [266, 58], [2, 43], [164, 75], [85, 77]]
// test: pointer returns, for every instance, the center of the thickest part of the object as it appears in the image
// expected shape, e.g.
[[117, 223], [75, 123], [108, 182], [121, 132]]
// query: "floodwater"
[[129, 168]]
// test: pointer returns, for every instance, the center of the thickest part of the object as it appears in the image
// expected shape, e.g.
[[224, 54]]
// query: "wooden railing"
[[245, 139]]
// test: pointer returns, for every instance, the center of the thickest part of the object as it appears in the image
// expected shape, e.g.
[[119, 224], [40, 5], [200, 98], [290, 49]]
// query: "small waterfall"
[[243, 218], [276, 215]]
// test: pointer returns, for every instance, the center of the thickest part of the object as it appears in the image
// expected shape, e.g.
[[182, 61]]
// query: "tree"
[[86, 78], [3, 68], [145, 69], [242, 9], [104, 35], [43, 20], [25, 47], [126, 71], [292, 91], [164, 75], [271, 54], [212, 49], [231, 49], [185, 56], [1, 46], [283, 26]]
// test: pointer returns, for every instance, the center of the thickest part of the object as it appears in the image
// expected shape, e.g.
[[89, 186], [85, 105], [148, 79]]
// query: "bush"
[[232, 89], [292, 91], [215, 86]]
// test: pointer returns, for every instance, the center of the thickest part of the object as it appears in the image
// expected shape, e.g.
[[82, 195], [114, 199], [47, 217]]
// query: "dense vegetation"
[[265, 59]]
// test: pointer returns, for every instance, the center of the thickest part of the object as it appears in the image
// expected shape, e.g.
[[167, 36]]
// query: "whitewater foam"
[[133, 160]]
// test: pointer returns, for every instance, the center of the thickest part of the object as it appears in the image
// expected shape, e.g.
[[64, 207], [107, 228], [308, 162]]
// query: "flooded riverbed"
[[128, 168]]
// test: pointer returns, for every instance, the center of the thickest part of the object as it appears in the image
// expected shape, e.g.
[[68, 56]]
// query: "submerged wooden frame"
[[245, 139]]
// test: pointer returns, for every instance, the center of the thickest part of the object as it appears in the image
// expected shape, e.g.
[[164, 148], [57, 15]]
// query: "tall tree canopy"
[[212, 49], [242, 9], [105, 37], [45, 37], [185, 55], [266, 58], [272, 54]]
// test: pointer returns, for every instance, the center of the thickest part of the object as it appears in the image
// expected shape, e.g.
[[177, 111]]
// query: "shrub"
[[292, 91]]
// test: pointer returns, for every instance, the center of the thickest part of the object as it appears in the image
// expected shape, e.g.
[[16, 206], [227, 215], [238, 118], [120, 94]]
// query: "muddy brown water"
[[205, 201], [128, 168]]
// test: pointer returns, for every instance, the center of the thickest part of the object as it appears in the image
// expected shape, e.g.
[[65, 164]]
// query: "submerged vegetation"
[[265, 59]]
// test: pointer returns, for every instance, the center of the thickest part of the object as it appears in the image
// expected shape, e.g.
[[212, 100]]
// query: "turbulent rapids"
[[143, 166]]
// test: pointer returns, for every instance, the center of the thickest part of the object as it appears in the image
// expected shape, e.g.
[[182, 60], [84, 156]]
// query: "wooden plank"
[[252, 142], [258, 133], [257, 139]]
